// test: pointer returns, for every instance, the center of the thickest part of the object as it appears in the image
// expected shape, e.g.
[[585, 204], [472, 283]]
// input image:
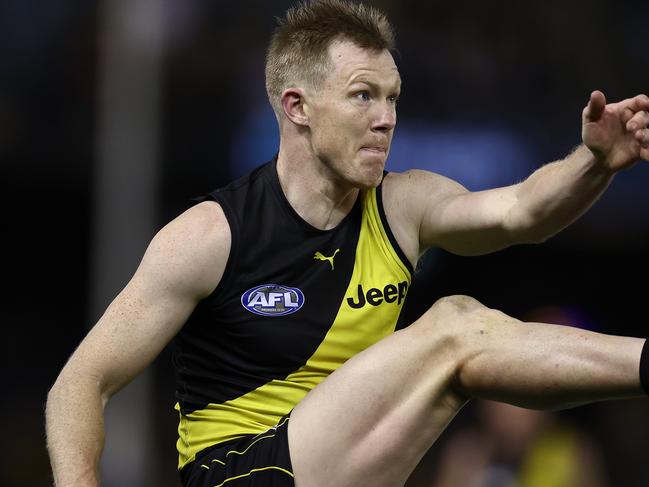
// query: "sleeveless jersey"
[[294, 303]]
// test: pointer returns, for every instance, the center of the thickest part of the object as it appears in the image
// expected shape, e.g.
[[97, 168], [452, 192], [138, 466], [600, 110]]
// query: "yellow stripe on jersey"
[[381, 277]]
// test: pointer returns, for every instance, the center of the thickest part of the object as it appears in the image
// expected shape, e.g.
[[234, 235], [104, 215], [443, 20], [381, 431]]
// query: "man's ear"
[[293, 103]]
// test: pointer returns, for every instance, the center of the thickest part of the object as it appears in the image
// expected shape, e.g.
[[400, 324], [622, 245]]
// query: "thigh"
[[371, 421]]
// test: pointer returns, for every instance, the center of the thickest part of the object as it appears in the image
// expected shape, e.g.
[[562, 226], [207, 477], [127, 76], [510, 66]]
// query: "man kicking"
[[282, 290]]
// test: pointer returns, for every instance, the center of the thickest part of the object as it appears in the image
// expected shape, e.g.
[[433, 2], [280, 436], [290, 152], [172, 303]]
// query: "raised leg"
[[372, 420]]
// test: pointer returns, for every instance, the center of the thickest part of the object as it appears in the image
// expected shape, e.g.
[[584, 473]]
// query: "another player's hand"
[[616, 133]]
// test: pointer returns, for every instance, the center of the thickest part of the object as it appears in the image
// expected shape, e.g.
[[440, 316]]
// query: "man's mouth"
[[376, 150]]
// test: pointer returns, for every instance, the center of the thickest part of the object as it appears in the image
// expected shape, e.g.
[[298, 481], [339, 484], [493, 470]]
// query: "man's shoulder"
[[418, 178], [207, 229], [199, 231], [194, 247], [409, 198], [410, 188], [205, 220]]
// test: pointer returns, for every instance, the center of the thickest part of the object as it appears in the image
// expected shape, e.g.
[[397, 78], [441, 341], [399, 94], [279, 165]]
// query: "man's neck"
[[313, 190]]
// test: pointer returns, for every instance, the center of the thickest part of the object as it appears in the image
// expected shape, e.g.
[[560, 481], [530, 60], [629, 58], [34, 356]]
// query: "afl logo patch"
[[272, 300]]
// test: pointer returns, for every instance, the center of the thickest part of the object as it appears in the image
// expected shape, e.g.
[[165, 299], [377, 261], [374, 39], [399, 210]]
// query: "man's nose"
[[385, 117]]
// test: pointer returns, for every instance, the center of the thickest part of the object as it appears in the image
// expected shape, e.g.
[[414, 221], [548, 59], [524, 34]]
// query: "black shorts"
[[261, 460]]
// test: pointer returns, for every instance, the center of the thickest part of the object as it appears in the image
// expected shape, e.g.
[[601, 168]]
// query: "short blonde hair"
[[298, 50]]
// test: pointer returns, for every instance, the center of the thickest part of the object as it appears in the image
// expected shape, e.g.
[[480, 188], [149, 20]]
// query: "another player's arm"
[[183, 264]]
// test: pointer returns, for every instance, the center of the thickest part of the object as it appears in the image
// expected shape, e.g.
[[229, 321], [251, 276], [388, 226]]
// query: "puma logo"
[[319, 256]]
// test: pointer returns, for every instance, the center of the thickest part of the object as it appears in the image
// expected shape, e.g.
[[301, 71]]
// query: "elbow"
[[55, 393], [54, 406], [541, 233], [74, 382]]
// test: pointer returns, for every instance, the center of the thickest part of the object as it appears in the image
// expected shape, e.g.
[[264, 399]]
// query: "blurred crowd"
[[497, 86]]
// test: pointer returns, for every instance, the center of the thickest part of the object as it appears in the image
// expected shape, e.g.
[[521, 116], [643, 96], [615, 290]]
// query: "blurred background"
[[114, 114]]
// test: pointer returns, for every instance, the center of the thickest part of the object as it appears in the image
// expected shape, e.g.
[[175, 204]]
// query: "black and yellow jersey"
[[294, 303]]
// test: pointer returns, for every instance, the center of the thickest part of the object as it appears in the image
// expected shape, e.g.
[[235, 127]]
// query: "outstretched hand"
[[616, 133]]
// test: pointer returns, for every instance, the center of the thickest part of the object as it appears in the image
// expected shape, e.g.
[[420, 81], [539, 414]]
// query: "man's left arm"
[[615, 137]]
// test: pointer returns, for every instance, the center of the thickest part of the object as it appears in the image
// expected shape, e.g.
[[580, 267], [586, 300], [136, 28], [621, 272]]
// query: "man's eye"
[[363, 96]]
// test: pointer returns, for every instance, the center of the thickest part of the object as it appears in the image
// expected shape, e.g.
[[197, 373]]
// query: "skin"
[[388, 407], [335, 140], [182, 265]]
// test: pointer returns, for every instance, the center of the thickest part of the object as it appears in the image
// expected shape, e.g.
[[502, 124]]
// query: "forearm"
[[551, 367], [557, 194], [75, 431]]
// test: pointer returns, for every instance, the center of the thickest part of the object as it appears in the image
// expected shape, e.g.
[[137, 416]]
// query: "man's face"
[[352, 117]]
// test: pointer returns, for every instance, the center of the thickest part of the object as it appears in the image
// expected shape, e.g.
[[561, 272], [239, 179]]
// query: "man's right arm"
[[183, 264]]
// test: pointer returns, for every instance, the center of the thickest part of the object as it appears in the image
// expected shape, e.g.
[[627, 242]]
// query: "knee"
[[455, 314], [461, 322], [460, 331], [456, 305]]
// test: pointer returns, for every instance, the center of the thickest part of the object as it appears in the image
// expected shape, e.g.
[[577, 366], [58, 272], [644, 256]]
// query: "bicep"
[[471, 223], [457, 220], [183, 264]]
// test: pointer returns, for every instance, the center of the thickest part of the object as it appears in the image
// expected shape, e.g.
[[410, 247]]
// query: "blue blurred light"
[[479, 158]]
